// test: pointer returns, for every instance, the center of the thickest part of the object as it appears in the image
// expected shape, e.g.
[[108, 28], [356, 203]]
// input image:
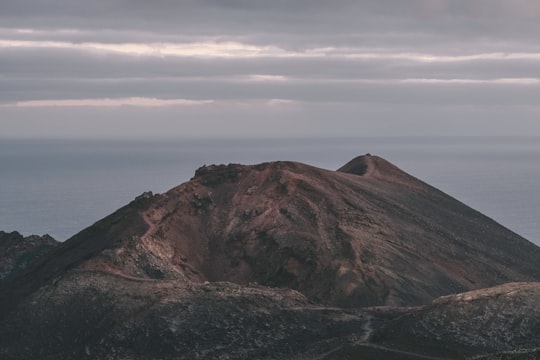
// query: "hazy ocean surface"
[[60, 187]]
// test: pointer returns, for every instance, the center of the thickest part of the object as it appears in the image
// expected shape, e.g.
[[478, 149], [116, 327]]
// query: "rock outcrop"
[[18, 252], [499, 322]]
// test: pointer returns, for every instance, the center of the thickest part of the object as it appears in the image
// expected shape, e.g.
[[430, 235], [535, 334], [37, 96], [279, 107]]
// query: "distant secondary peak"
[[358, 166]]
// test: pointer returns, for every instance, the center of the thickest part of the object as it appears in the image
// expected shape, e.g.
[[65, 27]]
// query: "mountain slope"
[[374, 236], [94, 315], [236, 263], [503, 320]]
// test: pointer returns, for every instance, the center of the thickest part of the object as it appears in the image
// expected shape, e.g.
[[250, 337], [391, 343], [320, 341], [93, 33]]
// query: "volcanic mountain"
[[240, 252]]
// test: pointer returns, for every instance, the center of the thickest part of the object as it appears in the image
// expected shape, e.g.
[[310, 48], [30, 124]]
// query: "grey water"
[[60, 187]]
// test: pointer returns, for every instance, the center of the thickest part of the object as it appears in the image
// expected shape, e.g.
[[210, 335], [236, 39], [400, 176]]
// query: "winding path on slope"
[[364, 342], [151, 226]]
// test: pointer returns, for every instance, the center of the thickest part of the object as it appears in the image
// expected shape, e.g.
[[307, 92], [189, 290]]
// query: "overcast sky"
[[259, 68]]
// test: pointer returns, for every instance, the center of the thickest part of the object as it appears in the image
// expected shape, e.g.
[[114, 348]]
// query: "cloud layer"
[[368, 60]]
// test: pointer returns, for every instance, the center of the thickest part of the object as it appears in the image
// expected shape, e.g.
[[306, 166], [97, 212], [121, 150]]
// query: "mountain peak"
[[374, 167], [359, 165]]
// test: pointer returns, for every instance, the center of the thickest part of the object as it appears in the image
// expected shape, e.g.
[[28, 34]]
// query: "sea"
[[59, 187]]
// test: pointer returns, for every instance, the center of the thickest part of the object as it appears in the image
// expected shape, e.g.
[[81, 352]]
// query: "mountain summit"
[[366, 235]]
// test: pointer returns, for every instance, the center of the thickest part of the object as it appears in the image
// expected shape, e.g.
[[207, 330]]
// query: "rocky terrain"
[[18, 252], [280, 261], [503, 320]]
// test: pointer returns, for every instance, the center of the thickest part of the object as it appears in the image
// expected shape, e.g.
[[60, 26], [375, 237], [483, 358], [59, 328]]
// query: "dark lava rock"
[[93, 315], [18, 252], [501, 322]]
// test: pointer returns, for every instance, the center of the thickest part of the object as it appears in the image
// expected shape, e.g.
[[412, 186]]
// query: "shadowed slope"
[[502, 319], [18, 252]]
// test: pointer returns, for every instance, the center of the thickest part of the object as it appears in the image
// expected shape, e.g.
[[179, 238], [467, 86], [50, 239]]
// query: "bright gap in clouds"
[[504, 81], [133, 101], [230, 49], [195, 49]]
